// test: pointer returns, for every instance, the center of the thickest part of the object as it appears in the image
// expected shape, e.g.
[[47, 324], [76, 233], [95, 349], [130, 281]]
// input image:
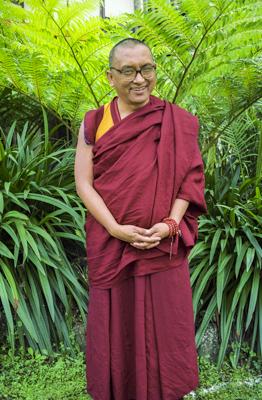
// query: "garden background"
[[53, 59]]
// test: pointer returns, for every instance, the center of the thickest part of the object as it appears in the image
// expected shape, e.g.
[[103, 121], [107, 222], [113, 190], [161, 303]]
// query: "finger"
[[151, 246], [141, 231], [145, 232], [150, 231], [156, 235], [139, 246], [140, 238], [143, 245], [148, 246]]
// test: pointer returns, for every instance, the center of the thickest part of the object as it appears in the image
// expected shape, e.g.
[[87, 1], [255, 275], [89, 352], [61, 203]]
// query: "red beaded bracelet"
[[173, 231], [173, 226]]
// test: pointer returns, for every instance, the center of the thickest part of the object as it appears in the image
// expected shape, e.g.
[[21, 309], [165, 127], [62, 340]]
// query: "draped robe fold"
[[140, 339], [141, 165]]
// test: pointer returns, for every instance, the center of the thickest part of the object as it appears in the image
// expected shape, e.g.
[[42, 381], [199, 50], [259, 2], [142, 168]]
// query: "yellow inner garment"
[[106, 122]]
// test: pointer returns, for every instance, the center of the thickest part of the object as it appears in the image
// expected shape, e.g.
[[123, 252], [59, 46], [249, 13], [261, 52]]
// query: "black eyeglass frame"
[[136, 70]]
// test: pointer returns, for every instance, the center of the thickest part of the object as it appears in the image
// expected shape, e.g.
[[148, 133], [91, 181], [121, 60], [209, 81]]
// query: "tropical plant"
[[208, 60], [226, 267], [40, 218], [208, 57], [207, 54], [227, 260], [54, 54]]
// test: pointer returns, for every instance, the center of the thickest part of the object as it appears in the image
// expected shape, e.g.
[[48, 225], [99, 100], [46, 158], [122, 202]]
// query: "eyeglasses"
[[130, 73]]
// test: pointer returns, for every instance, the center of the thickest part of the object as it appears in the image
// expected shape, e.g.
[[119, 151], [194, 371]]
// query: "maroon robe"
[[141, 165], [140, 326]]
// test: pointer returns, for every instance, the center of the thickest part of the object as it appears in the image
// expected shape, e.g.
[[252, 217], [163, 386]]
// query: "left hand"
[[159, 230]]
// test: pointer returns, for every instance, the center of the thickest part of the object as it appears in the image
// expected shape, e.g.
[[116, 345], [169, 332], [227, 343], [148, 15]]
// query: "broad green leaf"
[[223, 261], [18, 202], [226, 326], [48, 256], [226, 334], [48, 294], [197, 269], [61, 289], [69, 235], [22, 236], [7, 187], [4, 251], [209, 313], [55, 203], [253, 296], [10, 278], [45, 235], [222, 275], [223, 243], [201, 286], [240, 257], [250, 254], [214, 244], [10, 135], [16, 254], [1, 203], [24, 314], [255, 334], [241, 308], [11, 233], [199, 248], [35, 294], [253, 240], [32, 244], [244, 278], [36, 261], [6, 305], [43, 333], [15, 215], [260, 317], [238, 244]]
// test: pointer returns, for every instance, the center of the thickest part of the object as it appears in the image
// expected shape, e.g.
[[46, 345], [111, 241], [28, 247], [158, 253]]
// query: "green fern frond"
[[240, 143]]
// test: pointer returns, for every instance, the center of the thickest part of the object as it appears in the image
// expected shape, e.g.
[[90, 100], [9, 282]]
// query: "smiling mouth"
[[140, 89]]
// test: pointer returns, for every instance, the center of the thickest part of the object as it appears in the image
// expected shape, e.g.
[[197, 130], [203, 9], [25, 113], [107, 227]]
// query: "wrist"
[[175, 218], [173, 226], [165, 230], [114, 229]]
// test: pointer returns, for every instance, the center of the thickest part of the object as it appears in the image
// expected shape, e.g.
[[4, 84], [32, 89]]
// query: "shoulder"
[[91, 121], [179, 112], [92, 116], [186, 118]]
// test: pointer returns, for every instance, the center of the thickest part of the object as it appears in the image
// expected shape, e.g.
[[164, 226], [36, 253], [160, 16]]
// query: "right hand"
[[135, 234]]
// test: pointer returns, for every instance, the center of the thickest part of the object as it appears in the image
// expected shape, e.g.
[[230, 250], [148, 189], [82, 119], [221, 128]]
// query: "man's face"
[[133, 92]]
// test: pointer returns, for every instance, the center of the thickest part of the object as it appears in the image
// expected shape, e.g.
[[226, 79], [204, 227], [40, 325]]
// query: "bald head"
[[125, 43]]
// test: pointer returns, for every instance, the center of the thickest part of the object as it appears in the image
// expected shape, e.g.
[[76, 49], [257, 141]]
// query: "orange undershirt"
[[106, 122]]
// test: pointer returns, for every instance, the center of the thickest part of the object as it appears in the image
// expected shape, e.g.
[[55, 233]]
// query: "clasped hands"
[[142, 238]]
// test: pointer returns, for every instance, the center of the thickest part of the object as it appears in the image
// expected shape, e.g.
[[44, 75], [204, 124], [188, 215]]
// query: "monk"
[[139, 172]]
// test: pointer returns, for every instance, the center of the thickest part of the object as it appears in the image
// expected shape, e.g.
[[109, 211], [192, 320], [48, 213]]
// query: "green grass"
[[32, 376], [36, 377], [229, 383]]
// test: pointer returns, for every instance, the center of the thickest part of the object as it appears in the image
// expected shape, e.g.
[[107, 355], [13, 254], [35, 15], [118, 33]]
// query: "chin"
[[139, 99]]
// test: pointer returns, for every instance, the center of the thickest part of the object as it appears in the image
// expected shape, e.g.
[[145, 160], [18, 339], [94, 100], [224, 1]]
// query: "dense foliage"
[[39, 217], [53, 55], [30, 375], [226, 262]]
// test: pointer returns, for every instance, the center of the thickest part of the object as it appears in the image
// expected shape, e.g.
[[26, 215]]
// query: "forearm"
[[97, 207], [178, 209]]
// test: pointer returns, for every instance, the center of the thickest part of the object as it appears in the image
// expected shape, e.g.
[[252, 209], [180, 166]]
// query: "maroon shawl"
[[141, 165]]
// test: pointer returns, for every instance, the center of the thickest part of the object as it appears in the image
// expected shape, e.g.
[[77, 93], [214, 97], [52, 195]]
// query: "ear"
[[110, 78]]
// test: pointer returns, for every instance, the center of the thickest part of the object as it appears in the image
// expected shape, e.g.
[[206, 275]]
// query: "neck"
[[126, 109]]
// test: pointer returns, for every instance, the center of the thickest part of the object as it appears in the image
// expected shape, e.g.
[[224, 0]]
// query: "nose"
[[139, 78]]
